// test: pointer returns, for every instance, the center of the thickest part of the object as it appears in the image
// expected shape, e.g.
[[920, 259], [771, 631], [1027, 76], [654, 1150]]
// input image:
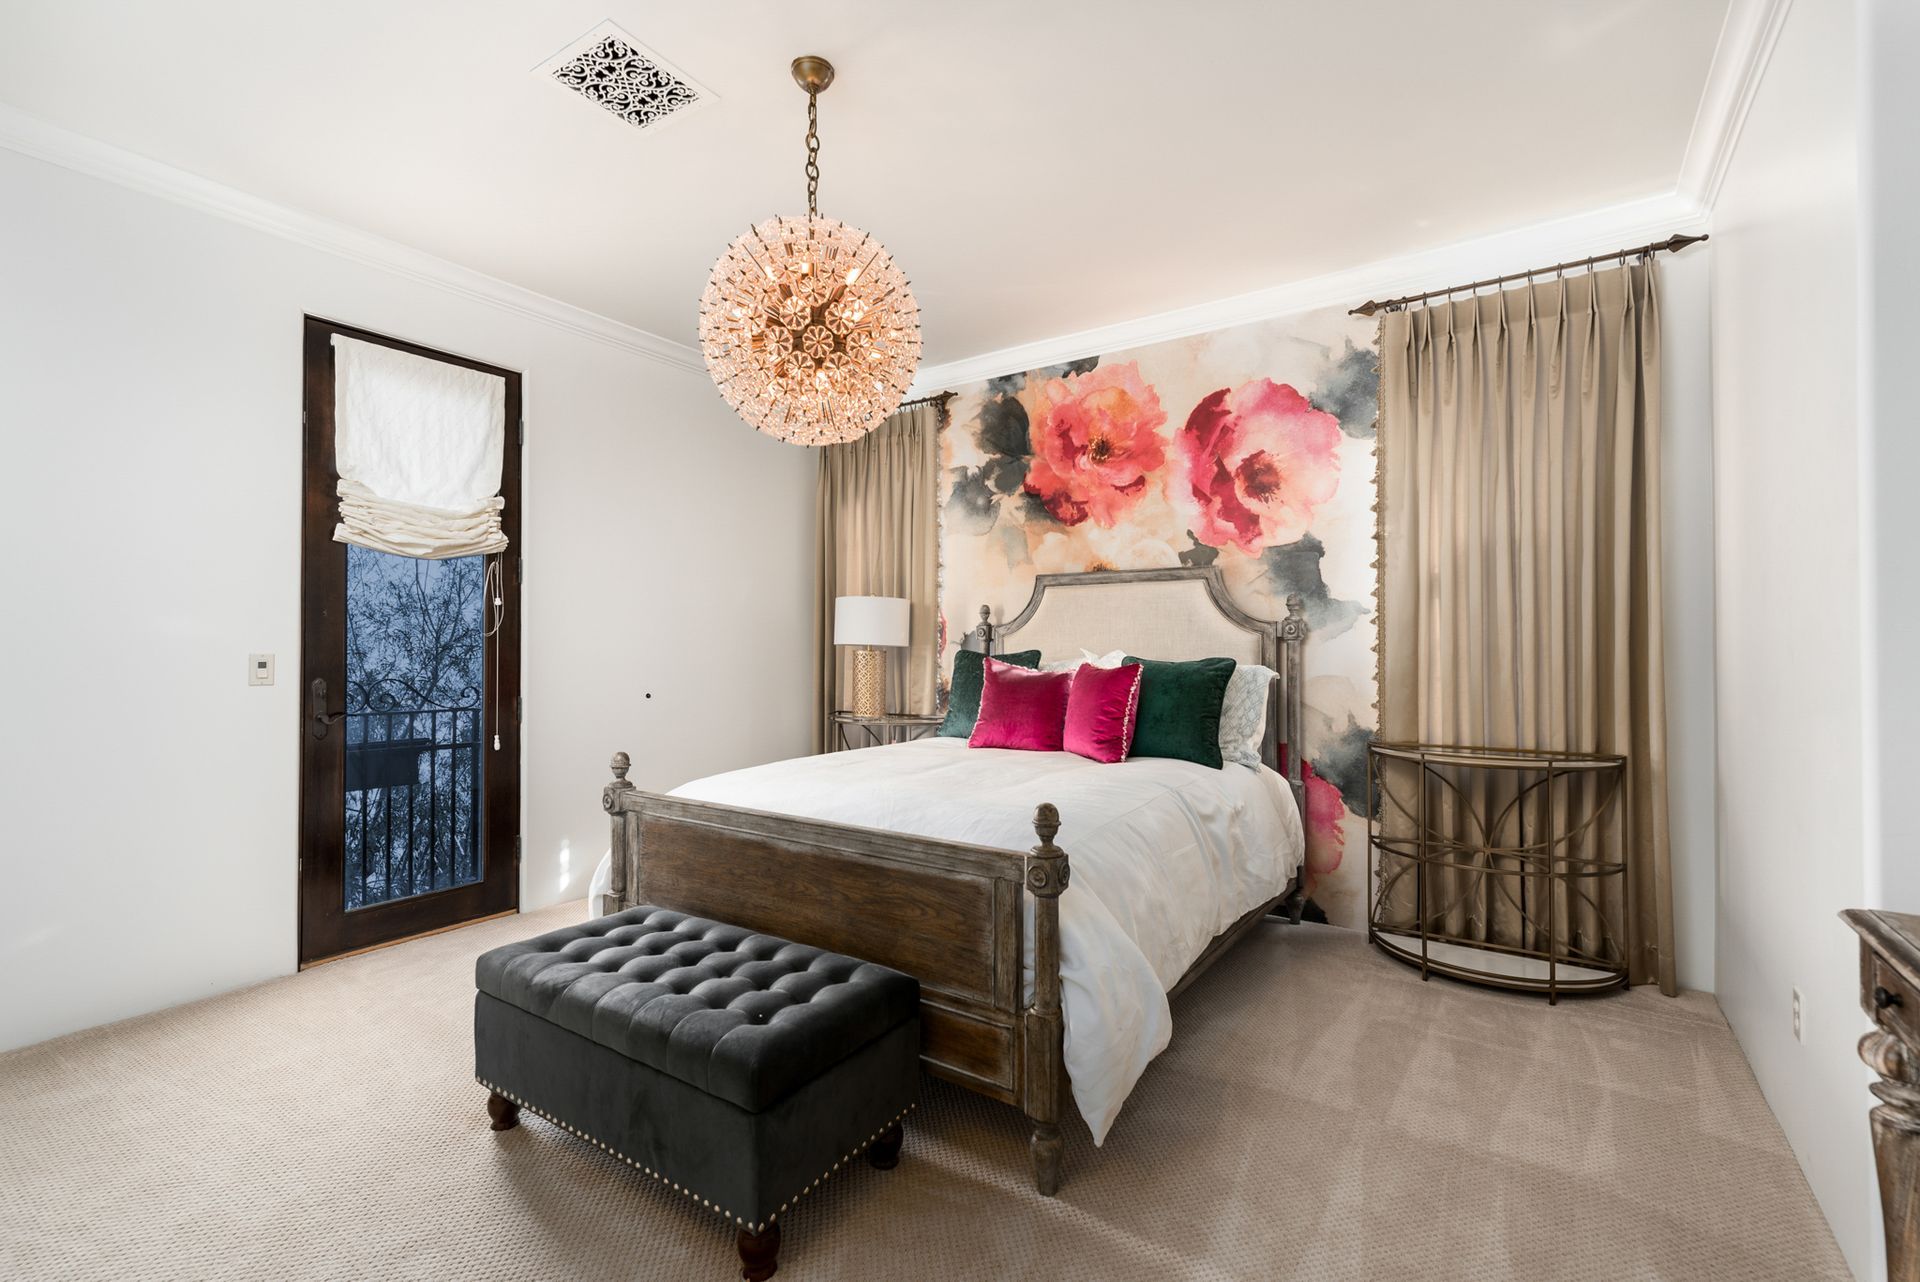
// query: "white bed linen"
[[1165, 855]]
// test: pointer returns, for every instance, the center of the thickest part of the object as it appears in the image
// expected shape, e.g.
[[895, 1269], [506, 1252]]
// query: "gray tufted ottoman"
[[738, 1069]]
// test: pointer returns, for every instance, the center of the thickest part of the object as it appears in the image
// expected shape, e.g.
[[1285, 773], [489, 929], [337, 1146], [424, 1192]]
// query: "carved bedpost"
[[1047, 874], [1293, 634], [985, 630], [1293, 637], [610, 796]]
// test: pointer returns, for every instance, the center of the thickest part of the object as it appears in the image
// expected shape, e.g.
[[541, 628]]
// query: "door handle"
[[321, 717]]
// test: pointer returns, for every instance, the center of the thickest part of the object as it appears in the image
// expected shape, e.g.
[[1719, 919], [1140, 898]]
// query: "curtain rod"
[[1672, 244], [924, 400]]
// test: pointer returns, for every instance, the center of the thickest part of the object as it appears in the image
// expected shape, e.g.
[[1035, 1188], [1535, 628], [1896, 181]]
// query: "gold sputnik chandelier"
[[808, 328]]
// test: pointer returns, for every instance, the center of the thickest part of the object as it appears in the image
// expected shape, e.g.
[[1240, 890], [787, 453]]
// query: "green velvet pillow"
[[963, 694], [1179, 714]]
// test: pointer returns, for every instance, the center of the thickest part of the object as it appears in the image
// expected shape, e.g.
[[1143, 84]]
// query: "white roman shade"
[[418, 444]]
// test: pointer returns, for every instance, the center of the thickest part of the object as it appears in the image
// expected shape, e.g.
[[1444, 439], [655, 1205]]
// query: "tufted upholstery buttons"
[[743, 1016]]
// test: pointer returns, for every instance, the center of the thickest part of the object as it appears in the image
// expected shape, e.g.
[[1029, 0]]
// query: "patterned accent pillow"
[[1243, 713]]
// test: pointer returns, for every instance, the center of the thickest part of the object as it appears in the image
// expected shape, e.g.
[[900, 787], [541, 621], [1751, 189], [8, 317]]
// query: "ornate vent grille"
[[632, 83]]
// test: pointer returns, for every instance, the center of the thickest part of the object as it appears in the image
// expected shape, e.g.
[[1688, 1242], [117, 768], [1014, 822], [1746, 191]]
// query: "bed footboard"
[[947, 913]]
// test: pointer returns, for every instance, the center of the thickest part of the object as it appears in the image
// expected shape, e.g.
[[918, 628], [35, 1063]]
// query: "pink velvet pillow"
[[1021, 708], [1100, 711]]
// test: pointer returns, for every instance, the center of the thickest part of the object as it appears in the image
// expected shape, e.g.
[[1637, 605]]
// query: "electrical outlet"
[[1797, 1028], [259, 669]]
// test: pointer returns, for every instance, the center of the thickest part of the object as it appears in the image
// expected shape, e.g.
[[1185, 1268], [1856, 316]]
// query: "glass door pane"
[[415, 756]]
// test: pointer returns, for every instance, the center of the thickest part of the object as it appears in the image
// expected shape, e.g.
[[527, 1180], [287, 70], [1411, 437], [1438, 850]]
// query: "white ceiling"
[[1036, 167]]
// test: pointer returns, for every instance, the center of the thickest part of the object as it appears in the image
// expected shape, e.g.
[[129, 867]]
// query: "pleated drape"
[[1519, 448], [878, 536]]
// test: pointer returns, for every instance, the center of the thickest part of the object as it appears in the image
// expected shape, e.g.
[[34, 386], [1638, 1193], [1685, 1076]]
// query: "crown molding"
[[1747, 40], [1596, 232], [33, 137]]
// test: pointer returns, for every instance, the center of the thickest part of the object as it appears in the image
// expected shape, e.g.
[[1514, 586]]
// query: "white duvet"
[[1165, 855]]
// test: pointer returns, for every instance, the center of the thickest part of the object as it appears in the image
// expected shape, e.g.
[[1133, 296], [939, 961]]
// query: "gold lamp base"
[[869, 682]]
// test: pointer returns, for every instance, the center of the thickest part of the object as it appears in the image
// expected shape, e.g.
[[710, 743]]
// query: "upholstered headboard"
[[1182, 613]]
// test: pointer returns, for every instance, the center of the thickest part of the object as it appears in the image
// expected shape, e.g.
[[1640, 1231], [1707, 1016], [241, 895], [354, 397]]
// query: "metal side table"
[[895, 727], [1505, 868]]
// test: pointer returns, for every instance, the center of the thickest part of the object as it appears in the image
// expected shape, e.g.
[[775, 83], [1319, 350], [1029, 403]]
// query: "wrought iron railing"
[[413, 812]]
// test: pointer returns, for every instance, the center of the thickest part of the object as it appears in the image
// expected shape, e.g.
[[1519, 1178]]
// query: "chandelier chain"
[[813, 154]]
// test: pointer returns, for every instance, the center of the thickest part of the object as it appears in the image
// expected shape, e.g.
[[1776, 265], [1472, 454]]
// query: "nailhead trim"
[[761, 1227]]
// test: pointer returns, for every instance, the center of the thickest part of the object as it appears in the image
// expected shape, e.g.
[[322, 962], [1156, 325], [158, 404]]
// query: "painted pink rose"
[[1326, 808], [1096, 441], [1259, 459]]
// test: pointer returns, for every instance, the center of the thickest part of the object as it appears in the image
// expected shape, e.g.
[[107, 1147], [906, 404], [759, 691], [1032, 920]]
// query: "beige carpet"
[[1322, 1114]]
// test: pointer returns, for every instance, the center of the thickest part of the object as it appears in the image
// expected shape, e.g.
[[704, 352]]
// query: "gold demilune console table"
[[1499, 867]]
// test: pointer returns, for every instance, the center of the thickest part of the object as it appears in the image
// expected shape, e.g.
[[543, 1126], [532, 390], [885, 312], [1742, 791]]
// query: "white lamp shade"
[[870, 620]]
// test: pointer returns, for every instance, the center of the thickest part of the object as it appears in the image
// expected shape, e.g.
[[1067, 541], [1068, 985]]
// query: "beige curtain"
[[878, 537], [1519, 472]]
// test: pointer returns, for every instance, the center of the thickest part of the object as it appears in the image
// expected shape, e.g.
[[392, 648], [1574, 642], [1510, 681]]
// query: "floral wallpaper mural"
[[1250, 449]]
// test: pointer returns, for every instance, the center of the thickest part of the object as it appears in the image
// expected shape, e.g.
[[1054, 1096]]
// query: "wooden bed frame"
[[946, 912]]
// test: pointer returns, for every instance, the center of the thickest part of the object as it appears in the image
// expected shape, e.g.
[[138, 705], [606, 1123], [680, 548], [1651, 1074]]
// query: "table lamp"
[[867, 623]]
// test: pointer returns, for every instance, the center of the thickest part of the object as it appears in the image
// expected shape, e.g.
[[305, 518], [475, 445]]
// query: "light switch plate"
[[259, 669]]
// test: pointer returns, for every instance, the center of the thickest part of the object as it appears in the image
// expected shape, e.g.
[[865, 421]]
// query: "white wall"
[[150, 436], [1788, 448], [1686, 536], [1890, 456]]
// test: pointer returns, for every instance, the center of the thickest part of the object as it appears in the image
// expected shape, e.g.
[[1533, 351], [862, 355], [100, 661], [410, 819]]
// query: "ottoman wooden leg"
[[759, 1253], [504, 1112], [884, 1153]]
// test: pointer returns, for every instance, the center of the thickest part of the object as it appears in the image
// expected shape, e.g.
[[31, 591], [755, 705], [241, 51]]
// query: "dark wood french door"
[[409, 708]]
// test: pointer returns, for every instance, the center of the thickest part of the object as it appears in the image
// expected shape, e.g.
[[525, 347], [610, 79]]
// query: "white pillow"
[[1061, 665], [1243, 709], [1243, 713]]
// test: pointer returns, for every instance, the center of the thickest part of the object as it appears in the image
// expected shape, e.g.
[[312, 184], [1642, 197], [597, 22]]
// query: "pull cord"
[[496, 613]]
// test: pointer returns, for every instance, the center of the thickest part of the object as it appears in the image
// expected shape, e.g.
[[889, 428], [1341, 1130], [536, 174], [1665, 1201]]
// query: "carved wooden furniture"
[[736, 1068], [948, 913], [1504, 868], [1890, 994]]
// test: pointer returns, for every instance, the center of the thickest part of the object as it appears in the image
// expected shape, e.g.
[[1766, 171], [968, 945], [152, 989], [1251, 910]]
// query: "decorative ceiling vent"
[[612, 69]]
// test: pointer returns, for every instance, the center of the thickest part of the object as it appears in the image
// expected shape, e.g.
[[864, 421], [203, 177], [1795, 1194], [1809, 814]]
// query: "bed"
[[912, 856]]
